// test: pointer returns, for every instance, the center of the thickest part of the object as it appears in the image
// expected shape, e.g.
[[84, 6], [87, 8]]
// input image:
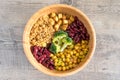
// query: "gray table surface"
[[105, 16]]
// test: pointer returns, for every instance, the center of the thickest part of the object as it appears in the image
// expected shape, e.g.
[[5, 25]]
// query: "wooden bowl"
[[64, 9]]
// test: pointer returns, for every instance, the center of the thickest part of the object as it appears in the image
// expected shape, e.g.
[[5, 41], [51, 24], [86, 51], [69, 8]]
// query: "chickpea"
[[66, 63], [56, 64], [59, 68], [70, 66], [78, 60], [81, 53], [76, 47], [70, 62], [82, 60], [62, 56], [83, 46], [71, 53], [85, 51], [68, 55], [59, 63], [66, 50], [56, 67], [81, 56], [68, 59], [71, 46], [75, 61], [64, 59], [77, 54], [56, 60], [74, 52], [67, 67], [74, 65], [54, 57], [58, 55], [64, 68], [62, 64], [78, 50]]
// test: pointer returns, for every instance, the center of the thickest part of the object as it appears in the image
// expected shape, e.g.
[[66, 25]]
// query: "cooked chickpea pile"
[[59, 41], [71, 56]]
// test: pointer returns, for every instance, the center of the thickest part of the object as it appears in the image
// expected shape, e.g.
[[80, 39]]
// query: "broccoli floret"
[[61, 34], [66, 41], [60, 42], [58, 36], [54, 48]]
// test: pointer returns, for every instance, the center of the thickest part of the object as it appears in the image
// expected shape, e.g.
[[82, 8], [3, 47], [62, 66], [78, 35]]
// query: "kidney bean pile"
[[42, 55], [72, 54], [77, 31]]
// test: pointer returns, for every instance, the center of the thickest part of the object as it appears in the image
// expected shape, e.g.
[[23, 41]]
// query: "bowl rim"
[[93, 33]]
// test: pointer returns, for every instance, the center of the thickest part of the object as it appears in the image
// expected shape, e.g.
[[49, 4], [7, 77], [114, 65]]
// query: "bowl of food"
[[59, 40]]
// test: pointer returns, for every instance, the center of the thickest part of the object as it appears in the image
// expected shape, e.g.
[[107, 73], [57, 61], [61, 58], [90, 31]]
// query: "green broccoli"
[[66, 41], [60, 41], [54, 48], [58, 36]]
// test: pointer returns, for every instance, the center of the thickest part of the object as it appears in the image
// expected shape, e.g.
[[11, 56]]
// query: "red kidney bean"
[[51, 67], [74, 24], [41, 50], [39, 53], [51, 62], [45, 60], [71, 26], [42, 55], [77, 39], [41, 59], [36, 56], [75, 19], [87, 37], [71, 30], [45, 64], [71, 34], [35, 49], [46, 52], [77, 31], [32, 49], [79, 23]]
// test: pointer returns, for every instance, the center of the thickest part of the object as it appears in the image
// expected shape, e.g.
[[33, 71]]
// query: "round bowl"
[[68, 10]]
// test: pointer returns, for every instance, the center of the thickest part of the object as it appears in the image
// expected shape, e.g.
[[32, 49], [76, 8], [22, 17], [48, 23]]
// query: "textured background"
[[105, 16]]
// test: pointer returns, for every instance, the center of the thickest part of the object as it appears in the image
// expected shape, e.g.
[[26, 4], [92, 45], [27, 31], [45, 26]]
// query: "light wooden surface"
[[105, 16]]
